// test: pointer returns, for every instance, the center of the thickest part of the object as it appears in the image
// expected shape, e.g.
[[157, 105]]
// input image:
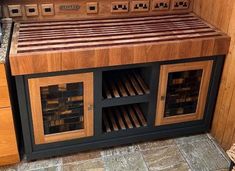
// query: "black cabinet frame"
[[101, 139]]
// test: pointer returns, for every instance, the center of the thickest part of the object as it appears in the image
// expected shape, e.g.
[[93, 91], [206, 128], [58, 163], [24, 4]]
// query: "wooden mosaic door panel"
[[182, 92], [62, 107]]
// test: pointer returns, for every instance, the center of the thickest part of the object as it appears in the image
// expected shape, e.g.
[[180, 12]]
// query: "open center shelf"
[[126, 83]]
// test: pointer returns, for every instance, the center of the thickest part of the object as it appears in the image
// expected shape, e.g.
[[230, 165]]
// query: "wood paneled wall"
[[221, 13]]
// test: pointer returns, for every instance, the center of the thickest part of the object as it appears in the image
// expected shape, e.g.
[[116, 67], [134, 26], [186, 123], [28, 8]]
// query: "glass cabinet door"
[[62, 107], [182, 92]]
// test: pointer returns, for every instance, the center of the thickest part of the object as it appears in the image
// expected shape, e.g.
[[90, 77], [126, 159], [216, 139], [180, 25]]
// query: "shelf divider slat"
[[106, 123], [140, 115], [106, 91], [125, 100], [127, 119], [128, 86], [122, 89], [133, 116], [135, 84], [114, 89], [114, 124], [120, 120], [141, 82]]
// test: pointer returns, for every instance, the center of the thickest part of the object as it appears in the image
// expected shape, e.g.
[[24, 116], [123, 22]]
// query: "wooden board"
[[4, 97], [43, 47], [221, 13], [4, 92], [3, 79], [8, 145]]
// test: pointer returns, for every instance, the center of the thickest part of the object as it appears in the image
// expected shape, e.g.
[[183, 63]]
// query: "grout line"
[[144, 160], [184, 157], [218, 147]]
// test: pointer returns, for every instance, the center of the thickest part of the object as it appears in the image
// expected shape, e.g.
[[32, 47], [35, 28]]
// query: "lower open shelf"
[[123, 118]]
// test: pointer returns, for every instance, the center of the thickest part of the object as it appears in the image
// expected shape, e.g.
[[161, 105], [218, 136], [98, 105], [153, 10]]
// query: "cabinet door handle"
[[90, 107], [163, 98]]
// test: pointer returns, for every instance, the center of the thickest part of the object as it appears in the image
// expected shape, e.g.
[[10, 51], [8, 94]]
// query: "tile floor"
[[194, 153]]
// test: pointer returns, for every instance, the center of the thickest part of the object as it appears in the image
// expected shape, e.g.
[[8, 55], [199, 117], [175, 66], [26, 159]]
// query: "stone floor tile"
[[127, 162], [81, 156], [200, 151], [47, 163], [203, 156], [119, 150], [8, 168], [163, 158], [190, 139], [178, 167], [216, 144], [156, 144], [87, 165], [54, 168]]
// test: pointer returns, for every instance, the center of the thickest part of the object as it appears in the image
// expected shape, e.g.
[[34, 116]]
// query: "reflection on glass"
[[62, 107], [182, 92]]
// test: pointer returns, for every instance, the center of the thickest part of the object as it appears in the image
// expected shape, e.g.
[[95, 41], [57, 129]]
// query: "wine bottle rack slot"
[[123, 118], [62, 107], [124, 84]]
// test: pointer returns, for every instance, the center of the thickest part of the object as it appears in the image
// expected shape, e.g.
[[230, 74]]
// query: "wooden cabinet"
[[131, 103], [182, 92], [62, 107], [8, 144]]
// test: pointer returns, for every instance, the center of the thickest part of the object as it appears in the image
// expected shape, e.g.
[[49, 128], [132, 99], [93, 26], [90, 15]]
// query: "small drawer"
[[3, 79], [4, 97]]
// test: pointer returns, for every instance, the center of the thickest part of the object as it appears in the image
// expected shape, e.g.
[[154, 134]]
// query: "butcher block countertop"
[[40, 47]]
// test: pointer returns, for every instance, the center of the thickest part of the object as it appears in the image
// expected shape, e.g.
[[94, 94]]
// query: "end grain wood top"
[[39, 47]]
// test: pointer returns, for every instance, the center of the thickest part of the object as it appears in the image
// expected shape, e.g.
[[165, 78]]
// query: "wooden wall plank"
[[217, 12], [221, 13]]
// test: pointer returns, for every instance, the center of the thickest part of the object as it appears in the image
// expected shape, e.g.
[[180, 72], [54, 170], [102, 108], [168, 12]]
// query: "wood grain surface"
[[4, 92], [221, 13], [40, 47], [8, 145]]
